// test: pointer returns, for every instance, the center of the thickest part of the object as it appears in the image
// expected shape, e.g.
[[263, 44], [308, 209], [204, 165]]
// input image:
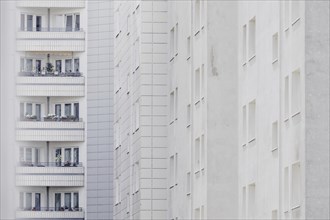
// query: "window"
[[252, 200], [197, 85], [22, 22], [28, 109], [197, 154], [275, 135], [58, 66], [172, 107], [67, 200], [28, 201], [77, 23], [76, 201], [203, 159], [172, 171], [252, 121], [29, 65], [76, 65], [176, 40], [244, 125], [188, 47], [295, 9], [252, 38], [57, 201], [67, 109], [21, 200], [295, 92], [244, 203], [28, 155], [188, 183], [172, 47], [58, 109], [286, 97], [197, 16], [76, 156], [244, 44], [296, 186], [29, 22], [68, 65], [38, 23], [68, 23], [188, 115], [286, 189], [275, 47]]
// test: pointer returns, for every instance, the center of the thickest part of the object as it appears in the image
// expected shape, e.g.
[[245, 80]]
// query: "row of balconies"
[[50, 4]]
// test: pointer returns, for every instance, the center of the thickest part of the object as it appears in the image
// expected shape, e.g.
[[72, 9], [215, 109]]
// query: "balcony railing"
[[52, 118], [51, 29], [52, 209], [50, 164], [50, 74]]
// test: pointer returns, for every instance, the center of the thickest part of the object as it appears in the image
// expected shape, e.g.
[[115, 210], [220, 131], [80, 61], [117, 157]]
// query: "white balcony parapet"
[[50, 86], [51, 3], [78, 215], [49, 131], [51, 41]]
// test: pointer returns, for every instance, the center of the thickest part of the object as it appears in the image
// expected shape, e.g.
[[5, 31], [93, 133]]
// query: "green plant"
[[49, 67]]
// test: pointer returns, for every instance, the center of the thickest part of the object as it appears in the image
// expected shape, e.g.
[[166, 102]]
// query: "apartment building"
[[140, 109], [283, 150], [202, 121], [55, 165]]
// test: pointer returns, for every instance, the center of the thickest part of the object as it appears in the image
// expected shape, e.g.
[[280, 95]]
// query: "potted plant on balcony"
[[50, 117], [30, 117], [49, 67]]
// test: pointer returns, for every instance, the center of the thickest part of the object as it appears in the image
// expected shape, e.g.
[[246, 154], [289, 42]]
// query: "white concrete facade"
[[140, 110]]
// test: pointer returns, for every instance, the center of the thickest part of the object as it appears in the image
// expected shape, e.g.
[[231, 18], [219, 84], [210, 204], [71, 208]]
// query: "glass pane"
[[67, 200], [28, 109], [58, 66], [38, 26], [21, 154], [58, 156], [28, 201], [68, 66], [76, 200], [22, 22], [67, 156], [29, 23], [68, 23], [57, 201], [76, 65], [77, 26], [38, 112], [21, 200], [76, 156], [28, 154], [36, 155], [29, 65], [22, 110], [67, 109], [38, 65], [37, 201], [58, 109], [76, 110], [22, 64]]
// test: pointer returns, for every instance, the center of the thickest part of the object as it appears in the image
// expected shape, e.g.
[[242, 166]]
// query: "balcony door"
[[68, 109], [57, 201], [38, 112], [29, 22], [58, 110], [38, 66], [37, 201], [29, 64], [76, 201], [58, 65], [76, 156], [58, 157], [76, 110], [22, 22], [67, 156], [76, 65], [67, 200], [68, 65], [28, 201], [77, 23], [39, 23], [69, 23]]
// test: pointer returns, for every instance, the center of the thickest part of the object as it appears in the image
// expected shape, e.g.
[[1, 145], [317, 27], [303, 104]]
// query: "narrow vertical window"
[[172, 107], [197, 16], [244, 36], [252, 38], [197, 154], [275, 135], [295, 92], [197, 85], [252, 201], [286, 97], [275, 47], [22, 22], [252, 121], [296, 186], [244, 123]]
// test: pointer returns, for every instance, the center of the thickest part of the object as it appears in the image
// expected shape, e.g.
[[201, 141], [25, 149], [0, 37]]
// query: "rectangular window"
[[76, 110], [58, 111], [295, 9], [76, 65], [37, 201], [29, 22], [58, 66], [57, 201], [172, 48], [197, 154], [67, 156], [68, 65], [76, 201], [244, 123], [28, 201], [197, 85], [275, 135], [172, 107], [67, 200], [68, 109], [38, 23], [21, 64], [203, 156], [76, 156], [197, 16], [295, 92], [171, 171], [252, 38], [286, 97], [286, 189], [21, 200], [29, 65], [252, 201], [188, 47], [188, 115], [69, 23], [77, 24], [28, 155], [28, 109], [188, 183], [252, 121], [244, 36], [275, 47], [22, 22], [296, 186]]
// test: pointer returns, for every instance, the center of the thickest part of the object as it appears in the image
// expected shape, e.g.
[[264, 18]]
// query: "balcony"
[[51, 39], [50, 84], [50, 213], [50, 4], [50, 130], [50, 174]]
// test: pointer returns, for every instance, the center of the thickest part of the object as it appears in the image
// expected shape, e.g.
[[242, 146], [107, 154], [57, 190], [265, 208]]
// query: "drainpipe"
[[47, 197], [48, 19], [47, 153]]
